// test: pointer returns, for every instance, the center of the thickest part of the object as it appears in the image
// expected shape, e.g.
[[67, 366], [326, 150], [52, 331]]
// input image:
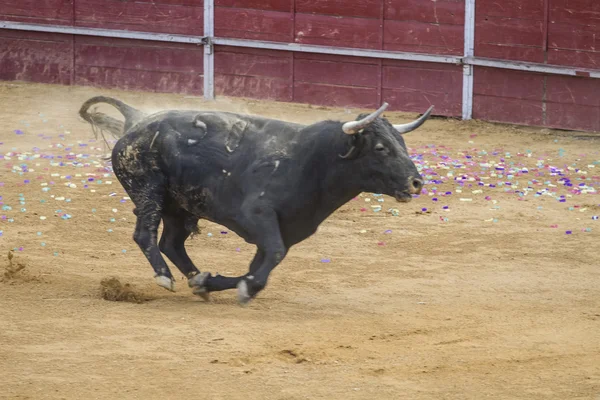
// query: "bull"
[[269, 181]]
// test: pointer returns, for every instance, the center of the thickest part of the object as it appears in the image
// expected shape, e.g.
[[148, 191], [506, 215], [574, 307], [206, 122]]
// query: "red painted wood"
[[340, 32], [59, 12], [429, 80], [546, 23], [127, 79], [511, 39], [574, 37], [164, 16], [35, 57], [253, 73], [253, 24], [435, 12], [520, 9], [573, 116], [257, 87], [509, 110], [269, 5], [422, 37], [380, 62], [191, 3], [336, 58], [419, 101], [579, 12], [414, 86], [336, 73], [424, 66], [139, 55], [528, 54], [573, 90], [336, 96], [510, 31], [574, 58], [358, 8], [247, 64], [518, 97], [508, 84], [138, 65], [251, 51]]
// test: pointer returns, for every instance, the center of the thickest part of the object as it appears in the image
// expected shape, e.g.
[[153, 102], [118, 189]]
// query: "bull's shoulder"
[[256, 134], [251, 124], [195, 132]]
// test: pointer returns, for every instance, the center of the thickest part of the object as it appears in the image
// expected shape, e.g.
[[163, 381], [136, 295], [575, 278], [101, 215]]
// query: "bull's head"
[[382, 159]]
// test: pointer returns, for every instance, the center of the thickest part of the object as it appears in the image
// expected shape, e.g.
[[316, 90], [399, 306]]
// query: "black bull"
[[271, 182]]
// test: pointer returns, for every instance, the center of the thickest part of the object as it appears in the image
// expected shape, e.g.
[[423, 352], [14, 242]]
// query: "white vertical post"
[[467, 109], [209, 55]]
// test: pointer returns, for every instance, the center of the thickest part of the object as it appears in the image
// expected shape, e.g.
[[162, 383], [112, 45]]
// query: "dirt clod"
[[113, 290], [293, 356], [14, 271]]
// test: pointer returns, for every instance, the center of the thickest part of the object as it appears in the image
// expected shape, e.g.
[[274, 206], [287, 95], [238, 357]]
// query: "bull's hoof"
[[197, 284], [242, 293], [165, 282]]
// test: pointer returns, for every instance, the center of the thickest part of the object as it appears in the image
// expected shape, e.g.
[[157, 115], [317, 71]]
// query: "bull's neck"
[[339, 178]]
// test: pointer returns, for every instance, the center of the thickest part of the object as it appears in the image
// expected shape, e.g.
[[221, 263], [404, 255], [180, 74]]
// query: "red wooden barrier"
[[35, 56], [562, 32], [403, 25], [55, 12], [183, 17], [104, 62], [138, 65]]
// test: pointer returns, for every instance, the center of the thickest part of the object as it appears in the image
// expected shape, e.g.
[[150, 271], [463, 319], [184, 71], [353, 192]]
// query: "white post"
[[467, 109], [209, 56]]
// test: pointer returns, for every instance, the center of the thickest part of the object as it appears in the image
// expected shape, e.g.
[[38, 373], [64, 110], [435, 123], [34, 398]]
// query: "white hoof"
[[243, 296], [197, 284], [198, 280], [202, 292], [165, 282]]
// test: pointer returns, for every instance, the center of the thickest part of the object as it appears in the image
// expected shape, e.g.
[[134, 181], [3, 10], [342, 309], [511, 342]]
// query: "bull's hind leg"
[[148, 211], [219, 282], [177, 227]]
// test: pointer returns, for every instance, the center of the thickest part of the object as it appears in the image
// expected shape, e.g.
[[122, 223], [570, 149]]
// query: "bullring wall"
[[532, 62]]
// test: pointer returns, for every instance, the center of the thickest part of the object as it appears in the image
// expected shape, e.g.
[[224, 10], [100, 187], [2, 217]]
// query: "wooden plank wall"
[[562, 32], [510, 29], [574, 40], [105, 62], [401, 25], [36, 57], [184, 17], [55, 12]]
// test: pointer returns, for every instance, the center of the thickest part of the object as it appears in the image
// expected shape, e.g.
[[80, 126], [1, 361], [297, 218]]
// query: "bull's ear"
[[358, 142], [411, 126], [354, 127]]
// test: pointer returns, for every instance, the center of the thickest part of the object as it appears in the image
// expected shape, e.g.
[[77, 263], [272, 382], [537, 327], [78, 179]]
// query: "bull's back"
[[201, 152]]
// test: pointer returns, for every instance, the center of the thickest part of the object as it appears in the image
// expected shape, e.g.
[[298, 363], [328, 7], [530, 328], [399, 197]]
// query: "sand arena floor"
[[480, 294]]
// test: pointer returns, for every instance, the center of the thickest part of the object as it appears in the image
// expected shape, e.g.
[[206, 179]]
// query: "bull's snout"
[[415, 185]]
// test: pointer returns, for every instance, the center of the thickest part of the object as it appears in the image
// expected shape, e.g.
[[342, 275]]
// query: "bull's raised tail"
[[103, 122]]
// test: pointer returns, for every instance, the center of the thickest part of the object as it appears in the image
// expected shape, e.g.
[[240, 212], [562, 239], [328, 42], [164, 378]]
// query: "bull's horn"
[[411, 126], [353, 127]]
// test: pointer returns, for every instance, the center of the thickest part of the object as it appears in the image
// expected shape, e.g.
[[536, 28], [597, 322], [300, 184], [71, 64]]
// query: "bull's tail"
[[102, 122]]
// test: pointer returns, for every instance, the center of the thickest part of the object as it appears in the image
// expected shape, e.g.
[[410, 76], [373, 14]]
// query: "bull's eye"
[[379, 147]]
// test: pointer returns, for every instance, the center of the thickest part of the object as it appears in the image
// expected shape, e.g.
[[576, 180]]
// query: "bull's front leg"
[[263, 225], [205, 283]]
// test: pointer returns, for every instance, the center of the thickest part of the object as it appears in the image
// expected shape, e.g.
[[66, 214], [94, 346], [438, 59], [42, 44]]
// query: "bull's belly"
[[201, 203]]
